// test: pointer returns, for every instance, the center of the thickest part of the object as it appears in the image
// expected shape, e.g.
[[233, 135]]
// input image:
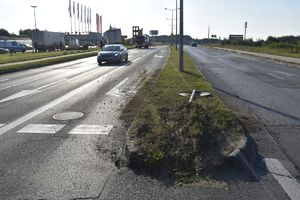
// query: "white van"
[[12, 46]]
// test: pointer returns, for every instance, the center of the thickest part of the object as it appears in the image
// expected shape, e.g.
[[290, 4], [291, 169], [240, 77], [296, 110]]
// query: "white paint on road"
[[156, 56], [285, 73], [3, 80], [92, 130], [2, 125], [24, 93], [275, 76], [284, 178], [136, 59], [116, 91], [18, 84], [21, 120], [42, 128]]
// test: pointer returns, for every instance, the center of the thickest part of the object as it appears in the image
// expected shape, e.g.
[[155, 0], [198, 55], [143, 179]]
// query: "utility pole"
[[246, 26], [176, 25], [208, 36], [34, 7], [181, 61]]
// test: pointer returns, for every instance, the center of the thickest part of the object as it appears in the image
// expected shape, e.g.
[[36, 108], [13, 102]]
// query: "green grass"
[[19, 57], [183, 137], [51, 61], [265, 50]]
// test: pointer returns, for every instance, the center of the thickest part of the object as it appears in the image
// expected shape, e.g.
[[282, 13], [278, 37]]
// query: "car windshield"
[[111, 48]]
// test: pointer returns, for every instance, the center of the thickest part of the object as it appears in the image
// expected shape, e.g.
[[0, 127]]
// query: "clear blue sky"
[[264, 17]]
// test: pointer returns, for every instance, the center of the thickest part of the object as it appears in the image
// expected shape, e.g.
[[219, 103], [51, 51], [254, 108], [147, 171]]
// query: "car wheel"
[[120, 59], [126, 59]]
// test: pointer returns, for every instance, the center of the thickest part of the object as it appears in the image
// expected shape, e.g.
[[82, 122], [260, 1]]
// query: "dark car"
[[112, 53], [194, 44], [3, 51]]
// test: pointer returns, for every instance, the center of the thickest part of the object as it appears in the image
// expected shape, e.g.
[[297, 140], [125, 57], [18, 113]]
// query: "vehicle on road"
[[12, 46], [194, 44], [142, 41], [112, 53], [3, 51], [48, 41]]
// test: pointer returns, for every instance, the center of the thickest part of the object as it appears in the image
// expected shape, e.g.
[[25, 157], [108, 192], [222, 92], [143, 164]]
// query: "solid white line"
[[136, 59], [42, 128], [48, 85], [284, 178], [3, 80], [275, 76], [99, 80], [116, 90], [18, 84], [285, 73], [91, 130]]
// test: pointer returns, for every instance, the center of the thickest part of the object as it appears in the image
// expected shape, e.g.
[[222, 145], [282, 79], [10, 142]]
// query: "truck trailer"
[[48, 41], [113, 36]]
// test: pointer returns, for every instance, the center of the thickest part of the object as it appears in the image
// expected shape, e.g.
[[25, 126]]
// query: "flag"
[[97, 22], [70, 9], [74, 7], [100, 23], [77, 10], [81, 13]]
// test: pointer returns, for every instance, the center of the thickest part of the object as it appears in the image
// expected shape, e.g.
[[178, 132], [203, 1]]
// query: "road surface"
[[60, 126]]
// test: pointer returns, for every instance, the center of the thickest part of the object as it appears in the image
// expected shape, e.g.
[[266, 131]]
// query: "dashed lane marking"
[[42, 128], [3, 80], [116, 90], [156, 56], [136, 59], [275, 76], [2, 125], [91, 130], [284, 178], [18, 84]]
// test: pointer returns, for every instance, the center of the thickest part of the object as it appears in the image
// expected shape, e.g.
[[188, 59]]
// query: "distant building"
[[236, 37]]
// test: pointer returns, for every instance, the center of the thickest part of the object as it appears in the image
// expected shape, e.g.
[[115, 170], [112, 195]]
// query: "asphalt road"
[[43, 156], [265, 95], [60, 126]]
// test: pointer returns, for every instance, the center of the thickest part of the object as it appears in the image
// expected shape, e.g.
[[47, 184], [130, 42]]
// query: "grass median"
[[171, 133], [20, 57], [41, 63]]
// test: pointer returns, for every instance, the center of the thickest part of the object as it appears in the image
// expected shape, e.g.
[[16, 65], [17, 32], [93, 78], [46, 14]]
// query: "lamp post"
[[181, 61], [172, 25], [34, 7]]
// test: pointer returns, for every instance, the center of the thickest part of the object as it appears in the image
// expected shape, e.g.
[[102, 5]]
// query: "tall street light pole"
[[34, 7], [176, 24], [172, 25], [181, 65]]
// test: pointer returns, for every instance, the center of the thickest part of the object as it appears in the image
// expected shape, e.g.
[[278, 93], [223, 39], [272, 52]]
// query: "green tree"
[[4, 32], [26, 33]]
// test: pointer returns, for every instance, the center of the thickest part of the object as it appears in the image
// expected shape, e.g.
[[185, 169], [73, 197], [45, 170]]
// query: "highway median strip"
[[172, 134]]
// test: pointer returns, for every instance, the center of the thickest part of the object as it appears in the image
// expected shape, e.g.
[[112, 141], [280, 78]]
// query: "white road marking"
[[275, 76], [244, 65], [42, 128], [18, 84], [285, 73], [116, 90], [17, 122], [136, 59], [2, 125], [24, 93], [92, 129], [284, 178], [156, 56], [3, 80]]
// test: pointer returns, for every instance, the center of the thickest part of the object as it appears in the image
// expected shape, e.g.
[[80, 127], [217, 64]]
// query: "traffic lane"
[[274, 104], [254, 66], [64, 165], [274, 141], [17, 98]]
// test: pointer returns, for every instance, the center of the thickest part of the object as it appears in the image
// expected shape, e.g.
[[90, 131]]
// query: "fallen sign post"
[[195, 94]]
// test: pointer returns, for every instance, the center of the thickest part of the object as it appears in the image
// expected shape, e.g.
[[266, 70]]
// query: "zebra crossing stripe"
[[42, 128], [92, 130]]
